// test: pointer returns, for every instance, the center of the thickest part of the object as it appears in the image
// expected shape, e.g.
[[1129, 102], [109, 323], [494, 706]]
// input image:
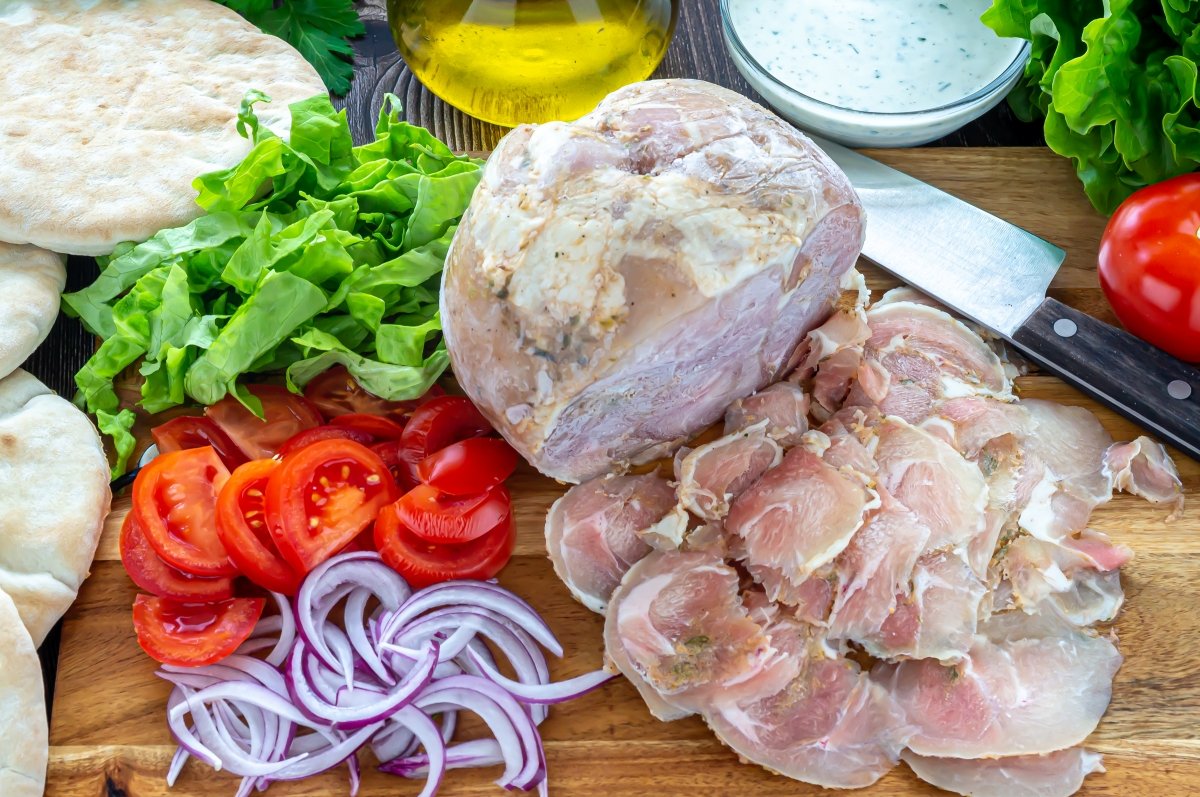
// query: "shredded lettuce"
[[1115, 81], [313, 252]]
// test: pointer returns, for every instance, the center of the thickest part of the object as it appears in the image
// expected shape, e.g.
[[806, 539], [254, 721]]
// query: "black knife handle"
[[1141, 382]]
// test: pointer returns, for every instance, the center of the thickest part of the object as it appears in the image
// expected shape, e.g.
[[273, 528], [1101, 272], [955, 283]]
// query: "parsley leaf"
[[318, 29]]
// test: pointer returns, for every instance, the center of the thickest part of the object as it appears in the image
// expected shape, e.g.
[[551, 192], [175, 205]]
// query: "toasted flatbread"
[[23, 733], [31, 280], [113, 107], [54, 501]]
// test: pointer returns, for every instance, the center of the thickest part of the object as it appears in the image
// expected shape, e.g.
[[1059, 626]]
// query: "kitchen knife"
[[997, 274]]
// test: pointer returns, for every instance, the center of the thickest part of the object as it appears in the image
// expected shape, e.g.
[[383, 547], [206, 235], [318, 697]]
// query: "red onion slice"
[[557, 692]]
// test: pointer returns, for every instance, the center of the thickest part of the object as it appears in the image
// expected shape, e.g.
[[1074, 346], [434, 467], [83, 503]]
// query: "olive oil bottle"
[[514, 61]]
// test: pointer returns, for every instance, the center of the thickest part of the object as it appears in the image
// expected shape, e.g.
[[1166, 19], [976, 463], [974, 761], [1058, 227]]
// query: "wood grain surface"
[[108, 732]]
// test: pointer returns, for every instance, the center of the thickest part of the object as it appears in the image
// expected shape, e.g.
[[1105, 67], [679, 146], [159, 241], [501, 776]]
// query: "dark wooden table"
[[697, 52]]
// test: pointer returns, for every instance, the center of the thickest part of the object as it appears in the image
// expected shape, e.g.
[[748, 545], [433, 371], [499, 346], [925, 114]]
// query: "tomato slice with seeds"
[[191, 431], [423, 563], [469, 466], [435, 516], [335, 392], [376, 426], [322, 497], [175, 500], [242, 527], [310, 436], [147, 569], [439, 422], [193, 634], [285, 415]]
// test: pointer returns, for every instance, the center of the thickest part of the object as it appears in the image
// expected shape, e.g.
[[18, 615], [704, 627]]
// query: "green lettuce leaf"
[[313, 253], [1114, 82]]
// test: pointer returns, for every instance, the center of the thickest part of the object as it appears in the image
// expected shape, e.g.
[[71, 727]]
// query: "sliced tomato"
[[322, 497], [310, 436], [393, 455], [439, 422], [195, 432], [147, 569], [175, 500], [242, 526], [193, 634], [336, 392], [285, 415], [423, 563], [469, 466], [376, 426], [439, 517]]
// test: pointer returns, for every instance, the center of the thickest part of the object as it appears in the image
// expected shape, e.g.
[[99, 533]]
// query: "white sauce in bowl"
[[889, 56]]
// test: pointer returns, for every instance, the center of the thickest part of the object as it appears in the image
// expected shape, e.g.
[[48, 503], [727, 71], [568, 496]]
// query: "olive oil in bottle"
[[514, 61]]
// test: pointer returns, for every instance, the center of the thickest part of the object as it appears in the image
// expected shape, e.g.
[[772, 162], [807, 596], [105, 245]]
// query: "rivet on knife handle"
[[1137, 380]]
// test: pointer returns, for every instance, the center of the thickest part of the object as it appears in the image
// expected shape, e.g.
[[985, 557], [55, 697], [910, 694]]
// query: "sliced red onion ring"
[[558, 692], [464, 755], [351, 717], [431, 739]]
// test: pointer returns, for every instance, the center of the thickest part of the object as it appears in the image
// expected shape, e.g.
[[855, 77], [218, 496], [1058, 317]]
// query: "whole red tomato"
[[1150, 265]]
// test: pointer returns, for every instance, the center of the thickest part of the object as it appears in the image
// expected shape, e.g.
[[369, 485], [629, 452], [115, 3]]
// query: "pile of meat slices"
[[885, 557]]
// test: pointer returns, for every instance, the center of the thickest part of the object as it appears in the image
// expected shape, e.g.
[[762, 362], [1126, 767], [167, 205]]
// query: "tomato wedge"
[[322, 497], [439, 517], [376, 426], [242, 527], [439, 422], [175, 500], [193, 634], [310, 436], [336, 392], [469, 466], [423, 563], [189, 431], [147, 569], [285, 415]]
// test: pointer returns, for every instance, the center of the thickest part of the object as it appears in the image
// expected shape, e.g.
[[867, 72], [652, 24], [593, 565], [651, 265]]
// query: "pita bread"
[[24, 738], [113, 107], [54, 500], [31, 280]]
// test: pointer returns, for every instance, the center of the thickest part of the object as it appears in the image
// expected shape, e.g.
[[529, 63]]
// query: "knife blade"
[[997, 274]]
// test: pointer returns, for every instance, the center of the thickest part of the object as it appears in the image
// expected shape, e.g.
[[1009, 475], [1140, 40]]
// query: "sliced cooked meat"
[[853, 440], [1071, 444], [1031, 685], [619, 281], [799, 515], [937, 620], [931, 479], [810, 600], [918, 355], [833, 351], [1058, 774], [875, 569], [677, 628], [1144, 468], [829, 725], [783, 406], [592, 532], [1078, 577], [670, 532], [713, 474]]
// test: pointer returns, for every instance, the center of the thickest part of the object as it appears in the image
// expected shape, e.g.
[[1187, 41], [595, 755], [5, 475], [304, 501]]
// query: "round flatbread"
[[113, 107], [31, 280], [24, 738], [54, 501]]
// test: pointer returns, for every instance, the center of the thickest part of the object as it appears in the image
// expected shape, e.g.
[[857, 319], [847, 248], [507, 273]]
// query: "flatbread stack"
[[110, 109], [113, 107]]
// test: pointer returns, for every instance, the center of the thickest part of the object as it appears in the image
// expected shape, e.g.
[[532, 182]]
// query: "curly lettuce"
[[313, 252], [1115, 82]]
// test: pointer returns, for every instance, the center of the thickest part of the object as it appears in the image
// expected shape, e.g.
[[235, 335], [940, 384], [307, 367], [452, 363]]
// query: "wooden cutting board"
[[108, 731]]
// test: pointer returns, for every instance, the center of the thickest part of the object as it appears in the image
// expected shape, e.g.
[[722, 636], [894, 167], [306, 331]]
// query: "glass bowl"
[[858, 128]]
